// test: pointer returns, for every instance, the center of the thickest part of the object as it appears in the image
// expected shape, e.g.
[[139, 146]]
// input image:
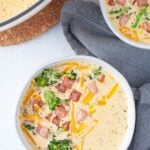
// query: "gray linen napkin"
[[87, 33]]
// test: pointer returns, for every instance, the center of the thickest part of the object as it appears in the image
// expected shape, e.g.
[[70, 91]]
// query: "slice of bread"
[[33, 27]]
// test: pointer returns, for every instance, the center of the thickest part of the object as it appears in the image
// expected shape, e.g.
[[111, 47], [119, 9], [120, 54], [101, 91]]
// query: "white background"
[[17, 64]]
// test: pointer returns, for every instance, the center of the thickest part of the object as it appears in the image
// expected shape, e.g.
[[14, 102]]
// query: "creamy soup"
[[10, 8], [131, 18], [74, 106]]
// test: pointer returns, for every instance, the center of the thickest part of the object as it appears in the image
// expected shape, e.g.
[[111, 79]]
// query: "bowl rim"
[[117, 33], [24, 15], [120, 78]]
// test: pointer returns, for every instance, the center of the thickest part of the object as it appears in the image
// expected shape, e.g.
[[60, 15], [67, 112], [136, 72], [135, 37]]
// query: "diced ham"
[[75, 96], [60, 111], [124, 19], [56, 120], [101, 79], [93, 87], [39, 103], [36, 104], [61, 88], [67, 82], [111, 2], [142, 3], [81, 115], [42, 131], [66, 126], [121, 2], [49, 116], [146, 26]]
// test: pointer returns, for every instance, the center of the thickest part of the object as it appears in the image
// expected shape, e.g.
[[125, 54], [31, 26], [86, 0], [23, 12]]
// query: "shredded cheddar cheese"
[[27, 97], [70, 64], [113, 90], [92, 110], [84, 137], [102, 102], [88, 97], [82, 79], [73, 123], [28, 134], [31, 117]]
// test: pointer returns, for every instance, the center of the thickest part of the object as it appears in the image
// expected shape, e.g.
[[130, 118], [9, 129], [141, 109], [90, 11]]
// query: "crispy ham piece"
[[75, 96], [61, 111], [42, 131], [81, 115]]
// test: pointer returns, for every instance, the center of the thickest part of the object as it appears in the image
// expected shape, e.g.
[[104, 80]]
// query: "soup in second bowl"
[[74, 106], [11, 8], [131, 18]]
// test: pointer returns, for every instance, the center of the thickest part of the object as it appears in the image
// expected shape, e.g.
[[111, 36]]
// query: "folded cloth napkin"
[[88, 34]]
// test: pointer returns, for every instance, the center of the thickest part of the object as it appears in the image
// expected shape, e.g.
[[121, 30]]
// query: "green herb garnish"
[[51, 100], [29, 127], [97, 71], [47, 77], [139, 17], [42, 79], [120, 11], [57, 75], [72, 75], [53, 82], [90, 77], [60, 145]]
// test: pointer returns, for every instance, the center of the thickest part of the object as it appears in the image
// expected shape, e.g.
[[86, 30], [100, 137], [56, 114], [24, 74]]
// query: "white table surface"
[[17, 64]]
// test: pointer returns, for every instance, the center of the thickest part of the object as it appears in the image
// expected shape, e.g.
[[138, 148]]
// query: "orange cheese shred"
[[82, 81], [71, 63], [91, 110], [83, 67], [76, 148], [84, 137], [81, 127], [112, 91], [30, 117], [102, 102], [27, 97], [67, 69], [28, 134], [73, 123], [88, 97], [129, 33]]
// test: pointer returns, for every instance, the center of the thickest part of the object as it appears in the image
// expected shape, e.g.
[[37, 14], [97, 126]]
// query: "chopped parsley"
[[42, 79], [72, 75], [97, 71], [120, 11], [29, 127], [60, 145], [52, 82], [90, 77], [57, 75], [47, 77]]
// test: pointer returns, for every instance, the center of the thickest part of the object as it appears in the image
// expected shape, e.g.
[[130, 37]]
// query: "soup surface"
[[74, 106], [131, 18], [10, 8]]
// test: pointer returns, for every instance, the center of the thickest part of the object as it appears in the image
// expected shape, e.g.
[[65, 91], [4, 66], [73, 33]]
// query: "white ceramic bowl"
[[116, 32], [23, 16], [114, 72]]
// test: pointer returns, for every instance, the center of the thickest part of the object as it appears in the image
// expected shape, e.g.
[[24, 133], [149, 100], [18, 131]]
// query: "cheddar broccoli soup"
[[10, 8], [131, 18], [74, 106]]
